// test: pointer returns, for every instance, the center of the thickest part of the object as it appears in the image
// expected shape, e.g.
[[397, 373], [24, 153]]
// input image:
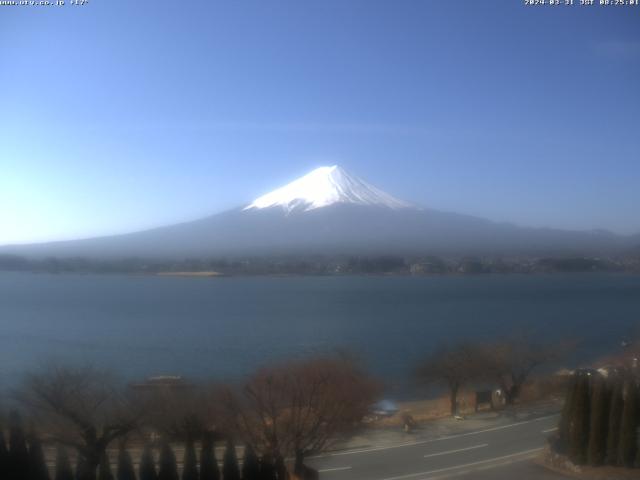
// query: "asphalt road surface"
[[501, 452]]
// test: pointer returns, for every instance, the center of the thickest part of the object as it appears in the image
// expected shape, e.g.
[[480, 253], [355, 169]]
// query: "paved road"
[[502, 451]]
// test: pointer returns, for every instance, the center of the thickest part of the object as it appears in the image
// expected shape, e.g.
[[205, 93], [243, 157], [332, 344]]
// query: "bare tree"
[[184, 413], [453, 366], [81, 408], [302, 407], [511, 362]]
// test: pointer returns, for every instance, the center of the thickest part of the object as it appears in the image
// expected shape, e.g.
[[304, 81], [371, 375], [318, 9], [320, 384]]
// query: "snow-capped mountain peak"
[[326, 186]]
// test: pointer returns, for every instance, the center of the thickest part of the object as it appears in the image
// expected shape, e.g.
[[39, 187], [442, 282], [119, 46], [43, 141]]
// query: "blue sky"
[[121, 115]]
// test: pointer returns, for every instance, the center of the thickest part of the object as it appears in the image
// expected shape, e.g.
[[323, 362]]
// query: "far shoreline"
[[189, 274], [214, 274]]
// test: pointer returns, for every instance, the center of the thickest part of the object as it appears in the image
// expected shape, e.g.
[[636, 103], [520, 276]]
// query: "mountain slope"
[[332, 212]]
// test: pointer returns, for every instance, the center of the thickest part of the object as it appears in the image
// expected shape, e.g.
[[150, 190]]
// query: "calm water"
[[225, 327]]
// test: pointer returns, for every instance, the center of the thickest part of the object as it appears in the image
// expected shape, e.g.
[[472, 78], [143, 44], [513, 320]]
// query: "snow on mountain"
[[326, 186]]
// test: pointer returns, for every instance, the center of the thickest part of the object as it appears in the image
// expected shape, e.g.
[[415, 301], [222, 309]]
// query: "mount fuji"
[[329, 211], [323, 187]]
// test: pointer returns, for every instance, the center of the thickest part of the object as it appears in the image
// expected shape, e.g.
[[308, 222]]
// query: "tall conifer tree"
[[598, 421], [230, 470], [615, 418], [125, 469], [267, 468], [208, 463], [63, 465], [147, 467], [168, 468], [18, 452], [281, 469], [37, 464], [567, 412], [104, 469], [4, 457], [250, 464], [629, 426], [79, 468], [190, 462], [579, 426]]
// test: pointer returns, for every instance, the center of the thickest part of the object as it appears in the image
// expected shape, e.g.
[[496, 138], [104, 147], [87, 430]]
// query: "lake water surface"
[[225, 327]]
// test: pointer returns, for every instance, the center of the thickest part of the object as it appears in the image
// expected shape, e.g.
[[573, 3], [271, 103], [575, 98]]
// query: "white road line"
[[465, 465], [336, 469], [482, 468], [423, 442], [549, 430], [456, 450]]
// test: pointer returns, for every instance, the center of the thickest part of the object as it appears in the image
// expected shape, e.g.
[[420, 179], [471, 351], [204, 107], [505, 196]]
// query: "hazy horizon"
[[513, 114]]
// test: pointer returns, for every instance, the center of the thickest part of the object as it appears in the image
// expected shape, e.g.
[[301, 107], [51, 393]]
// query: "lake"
[[225, 327]]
